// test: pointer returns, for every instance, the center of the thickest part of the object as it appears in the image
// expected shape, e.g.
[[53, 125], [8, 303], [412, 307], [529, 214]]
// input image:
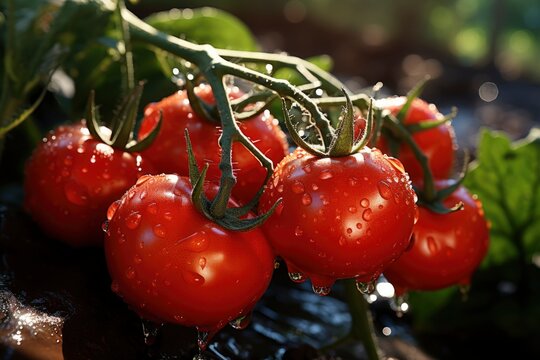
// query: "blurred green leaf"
[[506, 177]]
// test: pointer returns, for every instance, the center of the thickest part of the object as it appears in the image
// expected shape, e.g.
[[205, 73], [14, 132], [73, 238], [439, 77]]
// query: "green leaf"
[[506, 177], [205, 26]]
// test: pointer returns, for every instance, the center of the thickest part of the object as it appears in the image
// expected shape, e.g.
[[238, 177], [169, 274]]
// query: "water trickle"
[[365, 288], [241, 323], [367, 214], [384, 190], [133, 220], [297, 187], [297, 277], [306, 199], [321, 290]]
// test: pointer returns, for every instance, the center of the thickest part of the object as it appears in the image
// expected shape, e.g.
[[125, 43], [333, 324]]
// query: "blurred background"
[[481, 54]]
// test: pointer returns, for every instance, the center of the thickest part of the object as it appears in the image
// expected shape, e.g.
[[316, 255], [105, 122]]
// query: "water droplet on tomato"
[[367, 214], [196, 242], [384, 190], [75, 193], [143, 194], [352, 209], [241, 323], [137, 259], [307, 168], [325, 175], [105, 227], [314, 187], [159, 230], [349, 231], [359, 226], [365, 288], [298, 231], [192, 277], [130, 194], [279, 188], [297, 277], [321, 290], [142, 180], [133, 220], [167, 216], [202, 262], [364, 203], [353, 181], [130, 273], [306, 199], [396, 164], [342, 241], [432, 245], [152, 208], [112, 209], [297, 187]]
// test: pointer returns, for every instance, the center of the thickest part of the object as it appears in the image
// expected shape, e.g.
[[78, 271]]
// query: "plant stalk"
[[362, 323]]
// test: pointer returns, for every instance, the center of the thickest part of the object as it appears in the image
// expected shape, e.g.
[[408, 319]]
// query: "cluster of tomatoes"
[[339, 217]]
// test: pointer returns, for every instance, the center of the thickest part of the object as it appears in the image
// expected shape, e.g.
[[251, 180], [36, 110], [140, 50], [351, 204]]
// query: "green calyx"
[[232, 218], [342, 138], [122, 124]]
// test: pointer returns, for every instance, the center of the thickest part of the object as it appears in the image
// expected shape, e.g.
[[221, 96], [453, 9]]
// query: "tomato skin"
[[171, 264], [346, 217], [447, 249], [438, 144], [168, 153], [71, 179]]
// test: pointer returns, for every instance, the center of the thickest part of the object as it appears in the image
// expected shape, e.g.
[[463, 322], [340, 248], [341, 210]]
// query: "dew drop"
[[364, 203], [112, 209], [353, 181], [306, 199], [298, 231], [325, 175], [384, 190], [159, 230], [168, 216], [142, 180], [314, 187], [352, 209], [105, 227], [137, 259], [396, 164], [202, 262], [365, 288], [143, 194], [279, 188], [152, 208], [75, 193], [241, 323], [321, 290], [192, 277], [133, 220], [367, 214], [130, 273], [359, 226], [432, 245], [297, 187], [297, 277]]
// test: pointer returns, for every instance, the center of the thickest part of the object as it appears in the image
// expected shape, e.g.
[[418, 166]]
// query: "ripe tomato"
[[168, 152], [171, 264], [438, 144], [345, 217], [71, 179], [446, 249]]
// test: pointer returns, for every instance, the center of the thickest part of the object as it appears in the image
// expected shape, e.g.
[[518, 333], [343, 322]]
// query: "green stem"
[[362, 323], [128, 72]]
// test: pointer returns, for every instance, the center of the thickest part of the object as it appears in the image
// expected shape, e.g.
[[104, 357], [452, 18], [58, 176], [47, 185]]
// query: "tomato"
[[438, 144], [168, 152], [171, 264], [447, 248], [71, 179], [344, 217]]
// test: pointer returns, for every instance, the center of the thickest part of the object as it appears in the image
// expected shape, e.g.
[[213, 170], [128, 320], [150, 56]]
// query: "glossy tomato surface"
[[346, 217], [71, 179], [168, 153], [446, 250], [171, 264], [438, 144]]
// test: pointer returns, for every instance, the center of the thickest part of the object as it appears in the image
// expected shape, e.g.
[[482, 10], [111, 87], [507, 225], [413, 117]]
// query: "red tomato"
[[447, 248], [171, 264], [345, 217], [438, 144], [71, 179], [168, 152]]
